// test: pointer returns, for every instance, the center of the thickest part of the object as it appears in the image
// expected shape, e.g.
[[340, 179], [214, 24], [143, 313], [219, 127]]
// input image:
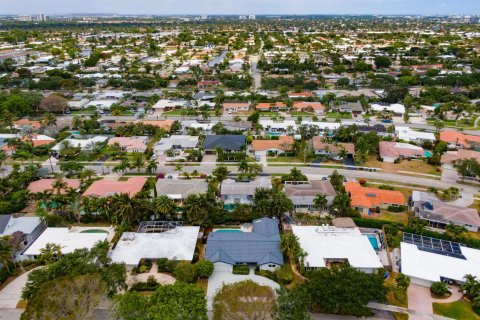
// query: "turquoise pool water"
[[94, 231], [275, 134], [373, 240], [228, 230], [427, 153]]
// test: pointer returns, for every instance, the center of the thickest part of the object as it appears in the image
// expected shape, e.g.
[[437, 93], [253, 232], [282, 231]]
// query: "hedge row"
[[241, 269]]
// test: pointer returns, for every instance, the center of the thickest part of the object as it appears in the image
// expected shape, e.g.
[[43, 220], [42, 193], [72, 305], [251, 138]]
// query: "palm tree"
[[58, 185], [196, 207], [341, 203], [152, 166], [5, 254], [280, 205], [165, 206], [51, 252], [116, 113], [87, 174], [179, 168], [320, 202], [471, 286], [49, 119], [122, 209], [137, 161], [243, 166], [3, 158], [220, 173]]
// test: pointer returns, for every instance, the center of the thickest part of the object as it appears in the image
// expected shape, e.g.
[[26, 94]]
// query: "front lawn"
[[338, 115], [460, 310], [285, 159]]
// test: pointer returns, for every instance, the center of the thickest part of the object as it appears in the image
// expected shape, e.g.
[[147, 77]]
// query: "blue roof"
[[261, 246], [228, 142]]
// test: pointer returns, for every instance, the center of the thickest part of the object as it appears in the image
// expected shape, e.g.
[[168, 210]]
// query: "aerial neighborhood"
[[239, 167]]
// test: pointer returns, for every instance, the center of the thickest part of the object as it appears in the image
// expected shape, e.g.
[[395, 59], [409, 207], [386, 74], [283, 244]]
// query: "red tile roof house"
[[130, 144], [106, 188], [459, 140], [264, 147], [331, 150], [233, 107], [298, 95], [305, 106], [365, 200], [43, 185], [448, 158], [390, 151], [25, 122], [206, 84], [274, 107]]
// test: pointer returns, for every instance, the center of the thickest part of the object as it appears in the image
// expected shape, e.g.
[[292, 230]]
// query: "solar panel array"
[[433, 245], [158, 226]]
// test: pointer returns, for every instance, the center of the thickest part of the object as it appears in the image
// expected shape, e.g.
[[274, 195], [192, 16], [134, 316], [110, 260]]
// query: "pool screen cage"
[[158, 226]]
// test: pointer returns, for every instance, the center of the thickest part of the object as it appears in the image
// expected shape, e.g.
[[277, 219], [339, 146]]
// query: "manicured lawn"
[[338, 115], [267, 114], [460, 310], [176, 112], [285, 159], [401, 217], [301, 113], [413, 166]]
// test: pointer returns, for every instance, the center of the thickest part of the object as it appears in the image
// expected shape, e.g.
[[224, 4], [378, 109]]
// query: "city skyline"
[[227, 7]]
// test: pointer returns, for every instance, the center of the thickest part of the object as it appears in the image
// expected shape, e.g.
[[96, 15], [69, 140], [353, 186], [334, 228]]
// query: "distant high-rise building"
[[24, 18], [242, 17], [40, 17], [89, 19], [252, 17], [204, 17]]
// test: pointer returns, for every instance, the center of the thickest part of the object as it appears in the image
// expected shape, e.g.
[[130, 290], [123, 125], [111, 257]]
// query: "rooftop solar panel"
[[438, 246]]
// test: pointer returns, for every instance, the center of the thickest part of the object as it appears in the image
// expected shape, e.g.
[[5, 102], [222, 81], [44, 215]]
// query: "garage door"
[[220, 266]]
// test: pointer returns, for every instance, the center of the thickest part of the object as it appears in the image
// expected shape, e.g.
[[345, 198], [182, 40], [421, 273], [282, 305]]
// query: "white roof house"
[[84, 144], [175, 142], [407, 134], [322, 126], [424, 267], [395, 108], [271, 125], [169, 104], [68, 239], [174, 244], [327, 244]]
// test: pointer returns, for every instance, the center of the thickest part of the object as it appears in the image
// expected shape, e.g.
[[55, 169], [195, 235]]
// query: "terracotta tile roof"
[[318, 144], [451, 156], [268, 105], [164, 124], [372, 197], [300, 105], [27, 122], [38, 139], [311, 189], [259, 145], [46, 184], [458, 138], [105, 188], [130, 143]]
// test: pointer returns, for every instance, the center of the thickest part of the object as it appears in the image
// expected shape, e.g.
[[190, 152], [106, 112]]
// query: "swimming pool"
[[373, 240], [94, 231], [228, 230], [274, 134], [427, 153]]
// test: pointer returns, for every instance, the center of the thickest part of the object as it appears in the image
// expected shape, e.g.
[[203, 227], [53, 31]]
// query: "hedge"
[[396, 209], [241, 269]]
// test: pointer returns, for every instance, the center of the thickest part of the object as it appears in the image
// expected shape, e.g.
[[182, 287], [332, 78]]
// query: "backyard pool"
[[373, 240], [274, 134], [94, 231], [427, 153], [228, 230]]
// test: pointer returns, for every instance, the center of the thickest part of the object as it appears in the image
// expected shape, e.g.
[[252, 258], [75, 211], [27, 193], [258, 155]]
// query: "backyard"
[[460, 310]]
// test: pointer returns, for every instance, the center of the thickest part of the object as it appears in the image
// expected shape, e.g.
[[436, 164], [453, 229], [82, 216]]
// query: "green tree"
[[50, 253], [204, 268], [293, 304], [320, 202], [6, 254], [165, 206], [137, 161], [169, 302], [185, 271]]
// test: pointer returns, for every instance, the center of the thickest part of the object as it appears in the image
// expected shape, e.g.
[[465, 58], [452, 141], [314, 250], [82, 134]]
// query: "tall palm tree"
[[122, 209], [280, 205], [137, 161], [179, 168], [320, 202], [6, 254], [165, 206], [152, 166], [196, 207], [58, 185], [49, 119]]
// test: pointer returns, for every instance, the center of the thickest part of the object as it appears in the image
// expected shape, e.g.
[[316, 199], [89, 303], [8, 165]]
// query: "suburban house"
[[366, 200], [233, 192], [326, 246], [355, 108], [300, 95], [228, 143], [130, 144], [427, 260], [105, 188], [305, 106], [38, 139], [178, 189], [258, 247], [409, 135], [458, 140], [167, 105], [331, 150], [391, 151], [175, 147], [380, 129], [19, 124], [448, 158], [303, 193], [275, 147], [163, 124], [396, 108], [439, 214], [271, 126], [43, 185], [274, 106], [155, 240], [233, 107], [83, 144], [28, 227]]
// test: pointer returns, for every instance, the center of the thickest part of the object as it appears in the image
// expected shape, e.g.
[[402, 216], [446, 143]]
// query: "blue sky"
[[241, 6]]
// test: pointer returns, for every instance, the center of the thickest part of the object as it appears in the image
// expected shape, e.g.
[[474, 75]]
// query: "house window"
[[271, 265]]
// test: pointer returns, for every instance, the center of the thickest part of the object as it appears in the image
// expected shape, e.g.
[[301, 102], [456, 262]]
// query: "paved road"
[[257, 77]]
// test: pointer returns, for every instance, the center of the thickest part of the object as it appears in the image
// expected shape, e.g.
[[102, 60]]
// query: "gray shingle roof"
[[4, 219], [226, 142], [260, 246]]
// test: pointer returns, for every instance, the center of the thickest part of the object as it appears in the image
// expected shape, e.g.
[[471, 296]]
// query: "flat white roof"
[[23, 224], [68, 239], [321, 243], [431, 266], [175, 244]]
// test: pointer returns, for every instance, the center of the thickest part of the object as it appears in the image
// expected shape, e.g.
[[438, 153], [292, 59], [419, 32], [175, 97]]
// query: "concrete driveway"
[[219, 278], [465, 201], [420, 300], [12, 293]]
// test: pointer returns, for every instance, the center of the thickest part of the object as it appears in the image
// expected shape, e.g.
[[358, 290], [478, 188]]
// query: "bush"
[[204, 268], [185, 272], [396, 209], [440, 289], [150, 285], [241, 269], [284, 275], [165, 265]]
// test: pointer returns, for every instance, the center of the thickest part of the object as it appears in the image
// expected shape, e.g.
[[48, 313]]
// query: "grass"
[[202, 285], [269, 114], [22, 304], [338, 115], [301, 113], [460, 310], [285, 159], [393, 300], [413, 166], [401, 217]]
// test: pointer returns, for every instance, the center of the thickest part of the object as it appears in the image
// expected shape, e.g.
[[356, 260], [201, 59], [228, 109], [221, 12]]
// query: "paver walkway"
[[420, 299], [161, 278]]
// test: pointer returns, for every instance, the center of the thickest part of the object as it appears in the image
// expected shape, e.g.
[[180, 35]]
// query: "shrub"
[[204, 268], [185, 272], [241, 269], [396, 209], [284, 275], [362, 181], [150, 285], [440, 289], [165, 265]]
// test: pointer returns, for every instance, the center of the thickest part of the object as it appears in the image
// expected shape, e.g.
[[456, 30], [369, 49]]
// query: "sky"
[[169, 7]]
